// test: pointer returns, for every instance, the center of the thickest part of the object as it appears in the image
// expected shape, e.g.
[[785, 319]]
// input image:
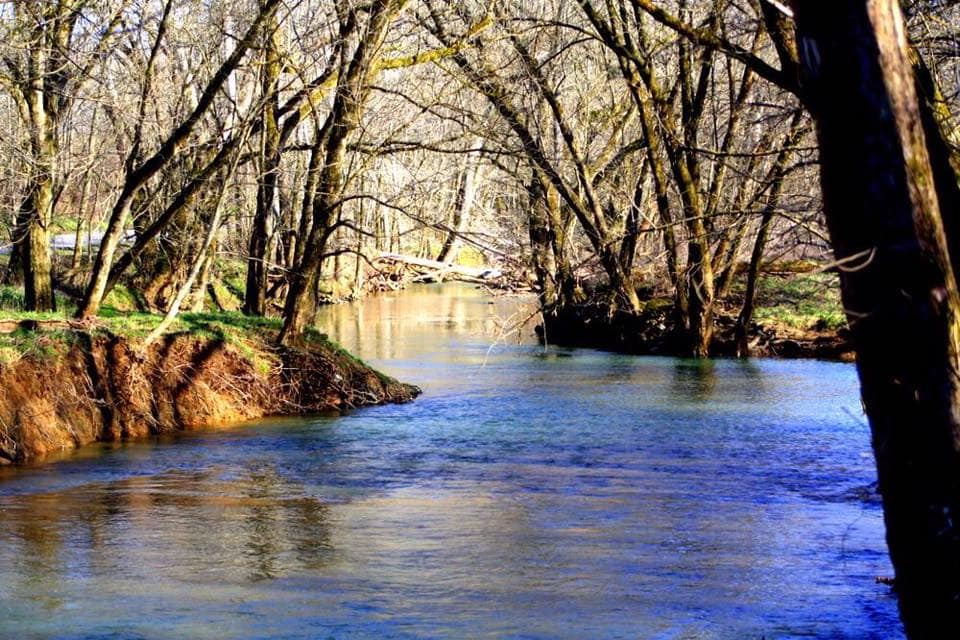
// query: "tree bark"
[[541, 258], [700, 296], [37, 263], [255, 298], [144, 172], [35, 251], [898, 286], [776, 178], [200, 260], [466, 192], [579, 195]]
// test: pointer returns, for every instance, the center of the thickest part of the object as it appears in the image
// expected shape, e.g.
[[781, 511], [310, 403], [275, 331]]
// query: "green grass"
[[45, 345], [122, 299], [233, 328], [115, 315], [801, 301], [232, 276], [120, 315], [11, 300], [252, 337], [248, 334], [227, 297]]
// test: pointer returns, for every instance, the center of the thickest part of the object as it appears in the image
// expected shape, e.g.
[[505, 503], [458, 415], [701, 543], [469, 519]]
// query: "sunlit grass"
[[801, 301], [253, 337]]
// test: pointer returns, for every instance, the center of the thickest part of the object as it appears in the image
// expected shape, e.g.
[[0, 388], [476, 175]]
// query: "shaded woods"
[[643, 166]]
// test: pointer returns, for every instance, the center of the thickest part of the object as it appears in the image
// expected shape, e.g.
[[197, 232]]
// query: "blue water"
[[529, 493]]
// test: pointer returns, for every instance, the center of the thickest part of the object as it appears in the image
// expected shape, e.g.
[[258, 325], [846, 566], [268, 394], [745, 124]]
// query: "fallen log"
[[441, 270]]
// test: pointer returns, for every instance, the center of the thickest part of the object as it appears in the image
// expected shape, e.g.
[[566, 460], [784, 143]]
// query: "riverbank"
[[67, 385], [653, 333], [799, 315]]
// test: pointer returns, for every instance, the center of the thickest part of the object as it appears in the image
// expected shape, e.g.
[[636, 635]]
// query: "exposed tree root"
[[97, 387]]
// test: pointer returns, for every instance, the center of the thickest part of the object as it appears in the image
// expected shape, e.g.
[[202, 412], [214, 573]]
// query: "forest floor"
[[798, 314]]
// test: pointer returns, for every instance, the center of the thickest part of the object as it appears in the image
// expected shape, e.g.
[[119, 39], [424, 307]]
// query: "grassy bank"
[[68, 384], [799, 301]]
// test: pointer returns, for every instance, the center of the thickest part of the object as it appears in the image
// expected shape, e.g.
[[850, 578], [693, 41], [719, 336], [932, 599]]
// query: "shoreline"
[[217, 370], [78, 386], [652, 334]]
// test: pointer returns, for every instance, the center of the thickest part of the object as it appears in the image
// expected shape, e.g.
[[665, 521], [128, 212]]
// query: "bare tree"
[[49, 53], [137, 176], [356, 69]]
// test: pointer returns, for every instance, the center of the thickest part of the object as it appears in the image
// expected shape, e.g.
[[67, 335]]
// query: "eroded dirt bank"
[[82, 387]]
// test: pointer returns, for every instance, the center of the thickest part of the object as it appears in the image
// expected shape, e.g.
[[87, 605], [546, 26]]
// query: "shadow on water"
[[694, 380]]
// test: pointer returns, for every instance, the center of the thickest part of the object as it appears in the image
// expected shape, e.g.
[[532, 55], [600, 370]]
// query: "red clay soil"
[[101, 388]]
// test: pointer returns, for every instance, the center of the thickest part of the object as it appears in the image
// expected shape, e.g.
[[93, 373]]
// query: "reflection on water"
[[412, 324], [530, 492], [695, 380]]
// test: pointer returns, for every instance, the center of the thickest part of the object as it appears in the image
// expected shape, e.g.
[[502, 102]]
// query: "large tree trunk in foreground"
[[898, 285]]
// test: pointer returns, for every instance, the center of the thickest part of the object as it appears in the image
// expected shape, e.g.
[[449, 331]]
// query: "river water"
[[529, 493]]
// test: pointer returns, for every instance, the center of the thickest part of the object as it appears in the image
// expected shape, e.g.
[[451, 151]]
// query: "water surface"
[[529, 493]]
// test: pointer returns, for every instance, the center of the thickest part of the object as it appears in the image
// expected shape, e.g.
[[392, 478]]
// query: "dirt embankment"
[[90, 387]]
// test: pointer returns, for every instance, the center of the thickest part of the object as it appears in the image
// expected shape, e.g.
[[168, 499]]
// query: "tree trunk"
[[560, 222], [777, 175], [14, 271], [745, 317], [84, 198], [35, 251], [898, 285], [137, 177], [944, 150], [633, 225], [202, 258], [700, 298], [255, 298], [544, 268], [37, 264], [466, 192], [344, 118]]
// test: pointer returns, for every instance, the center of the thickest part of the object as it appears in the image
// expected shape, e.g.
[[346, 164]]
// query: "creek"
[[530, 492]]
